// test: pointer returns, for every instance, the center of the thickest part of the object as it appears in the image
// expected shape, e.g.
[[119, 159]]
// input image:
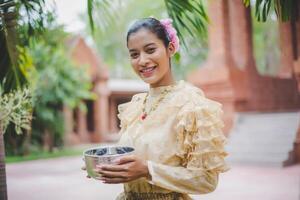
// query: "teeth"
[[148, 69]]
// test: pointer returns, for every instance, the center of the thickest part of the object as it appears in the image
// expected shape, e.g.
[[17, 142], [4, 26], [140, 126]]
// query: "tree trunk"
[[3, 186]]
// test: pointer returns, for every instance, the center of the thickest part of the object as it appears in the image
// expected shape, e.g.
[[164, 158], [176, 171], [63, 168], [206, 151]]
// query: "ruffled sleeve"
[[200, 138], [121, 114], [127, 112], [200, 146]]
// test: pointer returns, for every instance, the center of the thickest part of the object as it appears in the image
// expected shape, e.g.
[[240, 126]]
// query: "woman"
[[175, 130]]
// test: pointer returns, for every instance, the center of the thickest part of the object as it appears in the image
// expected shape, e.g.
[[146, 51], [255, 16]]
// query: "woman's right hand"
[[84, 168]]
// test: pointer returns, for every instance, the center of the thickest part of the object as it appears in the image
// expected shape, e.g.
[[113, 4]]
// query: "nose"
[[143, 60]]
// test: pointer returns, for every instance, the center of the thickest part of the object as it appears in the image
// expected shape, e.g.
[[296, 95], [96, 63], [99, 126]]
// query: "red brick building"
[[230, 76]]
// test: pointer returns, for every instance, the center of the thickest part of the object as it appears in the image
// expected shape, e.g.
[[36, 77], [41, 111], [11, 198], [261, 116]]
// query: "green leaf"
[[247, 2], [16, 108], [188, 16], [90, 15], [282, 8]]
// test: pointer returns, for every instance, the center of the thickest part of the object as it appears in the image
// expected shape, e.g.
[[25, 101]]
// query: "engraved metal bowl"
[[103, 155]]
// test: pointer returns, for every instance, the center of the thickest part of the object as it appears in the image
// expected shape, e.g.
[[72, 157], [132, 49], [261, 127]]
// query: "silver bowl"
[[103, 155]]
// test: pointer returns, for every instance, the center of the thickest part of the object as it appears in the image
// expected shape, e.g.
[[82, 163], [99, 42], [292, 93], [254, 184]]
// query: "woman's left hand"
[[125, 169]]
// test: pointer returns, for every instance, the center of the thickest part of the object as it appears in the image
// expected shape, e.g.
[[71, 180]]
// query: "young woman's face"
[[150, 58]]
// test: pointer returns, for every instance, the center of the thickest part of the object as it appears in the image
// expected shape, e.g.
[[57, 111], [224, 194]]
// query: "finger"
[[109, 174], [114, 180], [114, 168], [125, 159]]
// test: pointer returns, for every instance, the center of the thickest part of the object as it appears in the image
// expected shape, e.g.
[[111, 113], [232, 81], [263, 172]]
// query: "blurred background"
[[64, 69]]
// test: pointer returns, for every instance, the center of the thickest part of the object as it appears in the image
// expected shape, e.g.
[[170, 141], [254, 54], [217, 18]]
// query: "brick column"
[[82, 126], [219, 76], [113, 116], [243, 54], [69, 138], [286, 49], [241, 36], [101, 108]]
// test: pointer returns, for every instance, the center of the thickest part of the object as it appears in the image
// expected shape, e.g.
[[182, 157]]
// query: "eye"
[[134, 55], [150, 50]]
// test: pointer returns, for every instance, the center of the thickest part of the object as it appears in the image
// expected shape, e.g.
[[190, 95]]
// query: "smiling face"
[[150, 58]]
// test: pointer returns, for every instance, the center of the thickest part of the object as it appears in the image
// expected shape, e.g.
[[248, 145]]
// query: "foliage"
[[15, 13], [110, 37], [56, 78], [263, 8], [43, 61], [33, 15], [189, 15], [16, 108], [56, 82]]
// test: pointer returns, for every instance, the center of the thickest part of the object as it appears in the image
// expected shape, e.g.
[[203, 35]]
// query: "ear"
[[171, 49]]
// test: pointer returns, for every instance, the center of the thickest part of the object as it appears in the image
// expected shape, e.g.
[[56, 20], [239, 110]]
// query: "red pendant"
[[144, 115]]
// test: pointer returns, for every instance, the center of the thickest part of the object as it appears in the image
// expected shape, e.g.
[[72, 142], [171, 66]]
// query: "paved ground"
[[62, 179]]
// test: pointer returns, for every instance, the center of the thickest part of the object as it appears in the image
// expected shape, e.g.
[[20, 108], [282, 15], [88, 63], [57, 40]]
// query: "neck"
[[165, 81]]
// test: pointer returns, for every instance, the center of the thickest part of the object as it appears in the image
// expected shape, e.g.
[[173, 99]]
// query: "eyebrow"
[[130, 50]]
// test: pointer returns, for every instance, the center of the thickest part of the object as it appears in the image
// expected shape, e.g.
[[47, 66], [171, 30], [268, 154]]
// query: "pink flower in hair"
[[167, 23]]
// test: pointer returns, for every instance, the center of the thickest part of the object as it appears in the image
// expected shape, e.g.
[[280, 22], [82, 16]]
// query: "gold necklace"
[[153, 106]]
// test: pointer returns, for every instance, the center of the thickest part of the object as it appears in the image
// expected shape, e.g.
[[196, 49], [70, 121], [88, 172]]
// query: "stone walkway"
[[62, 179]]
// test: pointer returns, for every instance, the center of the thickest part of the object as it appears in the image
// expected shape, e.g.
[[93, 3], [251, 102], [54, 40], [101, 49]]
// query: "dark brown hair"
[[152, 25]]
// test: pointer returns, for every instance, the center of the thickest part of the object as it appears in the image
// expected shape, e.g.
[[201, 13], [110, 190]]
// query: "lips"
[[147, 72]]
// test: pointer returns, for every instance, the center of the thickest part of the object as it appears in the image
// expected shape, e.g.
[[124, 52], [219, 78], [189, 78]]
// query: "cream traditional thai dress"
[[181, 140]]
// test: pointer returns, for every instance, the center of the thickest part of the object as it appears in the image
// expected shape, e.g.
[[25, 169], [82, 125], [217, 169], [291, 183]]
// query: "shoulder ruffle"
[[180, 96], [200, 138], [127, 112]]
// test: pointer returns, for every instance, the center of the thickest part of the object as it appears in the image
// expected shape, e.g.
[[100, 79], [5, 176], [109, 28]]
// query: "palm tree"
[[188, 16], [32, 20], [10, 69]]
